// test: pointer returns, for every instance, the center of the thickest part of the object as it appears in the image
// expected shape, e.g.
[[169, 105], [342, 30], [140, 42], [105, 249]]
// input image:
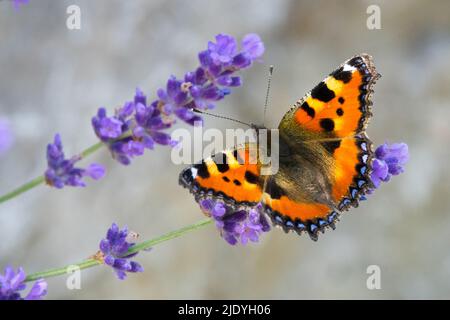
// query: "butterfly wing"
[[232, 176], [325, 131], [340, 105]]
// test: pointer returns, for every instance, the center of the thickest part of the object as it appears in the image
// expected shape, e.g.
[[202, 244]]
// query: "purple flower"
[[110, 128], [222, 60], [17, 3], [114, 250], [251, 229], [236, 226], [149, 126], [62, 172], [132, 129], [11, 283], [211, 81], [389, 160], [205, 94], [253, 46], [138, 125], [112, 131], [6, 136], [188, 116], [174, 97], [107, 127], [379, 173], [224, 50]]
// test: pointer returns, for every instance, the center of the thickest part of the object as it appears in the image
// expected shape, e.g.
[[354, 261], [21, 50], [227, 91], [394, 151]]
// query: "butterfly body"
[[324, 157]]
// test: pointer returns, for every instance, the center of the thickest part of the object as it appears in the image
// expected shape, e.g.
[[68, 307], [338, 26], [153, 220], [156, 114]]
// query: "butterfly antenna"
[[221, 117], [269, 80]]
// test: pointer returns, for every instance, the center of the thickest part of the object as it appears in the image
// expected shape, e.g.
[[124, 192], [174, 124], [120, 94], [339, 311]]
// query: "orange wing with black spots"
[[326, 131], [340, 104], [232, 176]]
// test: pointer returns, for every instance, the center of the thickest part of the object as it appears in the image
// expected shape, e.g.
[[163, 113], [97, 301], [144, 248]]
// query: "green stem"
[[168, 236], [24, 188], [136, 248], [91, 149], [60, 271], [41, 179]]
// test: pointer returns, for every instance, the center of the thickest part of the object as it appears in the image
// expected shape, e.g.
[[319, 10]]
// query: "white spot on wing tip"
[[348, 67], [194, 172]]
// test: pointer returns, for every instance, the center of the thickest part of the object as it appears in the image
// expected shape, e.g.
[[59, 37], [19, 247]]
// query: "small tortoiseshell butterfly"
[[325, 157]]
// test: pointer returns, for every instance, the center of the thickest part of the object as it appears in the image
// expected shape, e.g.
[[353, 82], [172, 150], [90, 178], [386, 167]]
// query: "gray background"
[[54, 79]]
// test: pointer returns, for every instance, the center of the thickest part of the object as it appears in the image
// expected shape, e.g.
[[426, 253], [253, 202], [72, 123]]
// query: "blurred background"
[[53, 80]]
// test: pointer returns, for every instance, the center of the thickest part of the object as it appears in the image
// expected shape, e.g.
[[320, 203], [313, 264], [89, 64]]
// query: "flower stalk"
[[92, 262], [22, 189], [41, 179]]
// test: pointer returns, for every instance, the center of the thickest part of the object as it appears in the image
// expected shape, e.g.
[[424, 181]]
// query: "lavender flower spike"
[[133, 128], [139, 125], [62, 172], [11, 283], [114, 250], [389, 160]]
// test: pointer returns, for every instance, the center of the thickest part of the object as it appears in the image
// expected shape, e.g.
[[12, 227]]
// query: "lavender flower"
[[110, 131], [236, 226], [175, 96], [138, 125], [6, 136], [203, 93], [211, 81], [11, 283], [253, 47], [62, 172], [224, 50], [132, 129], [149, 124], [18, 3], [389, 160], [114, 251]]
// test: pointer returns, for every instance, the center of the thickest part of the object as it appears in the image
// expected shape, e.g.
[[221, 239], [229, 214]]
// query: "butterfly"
[[325, 157]]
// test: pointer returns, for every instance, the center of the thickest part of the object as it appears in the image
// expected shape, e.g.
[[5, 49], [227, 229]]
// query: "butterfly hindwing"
[[299, 216], [299, 196], [353, 164]]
